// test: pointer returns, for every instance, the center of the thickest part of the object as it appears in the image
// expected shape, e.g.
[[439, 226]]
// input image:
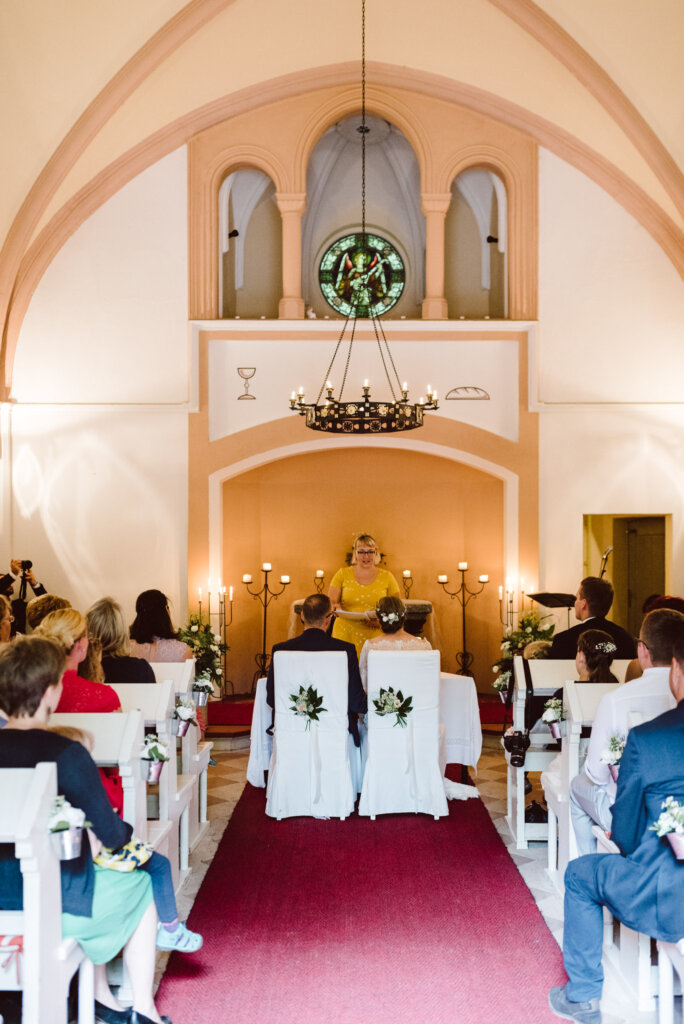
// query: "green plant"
[[206, 647], [515, 641]]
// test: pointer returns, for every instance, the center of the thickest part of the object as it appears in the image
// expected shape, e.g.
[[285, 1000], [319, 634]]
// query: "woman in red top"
[[68, 628]]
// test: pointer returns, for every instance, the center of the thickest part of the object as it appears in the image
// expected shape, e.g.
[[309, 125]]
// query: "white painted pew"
[[48, 962], [156, 705], [195, 752], [580, 701], [670, 959], [118, 742]]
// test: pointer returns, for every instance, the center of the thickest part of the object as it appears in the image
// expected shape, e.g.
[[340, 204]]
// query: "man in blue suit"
[[644, 887], [316, 615]]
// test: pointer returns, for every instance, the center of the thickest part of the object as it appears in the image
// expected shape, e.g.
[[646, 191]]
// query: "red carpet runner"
[[360, 922]]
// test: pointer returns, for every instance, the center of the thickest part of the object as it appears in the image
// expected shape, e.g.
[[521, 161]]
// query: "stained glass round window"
[[360, 279]]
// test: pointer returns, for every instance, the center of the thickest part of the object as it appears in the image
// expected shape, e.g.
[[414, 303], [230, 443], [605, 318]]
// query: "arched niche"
[[476, 246], [333, 207], [250, 245]]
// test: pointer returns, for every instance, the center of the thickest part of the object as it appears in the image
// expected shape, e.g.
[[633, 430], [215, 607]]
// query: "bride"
[[391, 614]]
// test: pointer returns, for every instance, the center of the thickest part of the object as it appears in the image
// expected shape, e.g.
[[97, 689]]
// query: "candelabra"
[[223, 623], [319, 581], [507, 611], [463, 595], [407, 581], [265, 596]]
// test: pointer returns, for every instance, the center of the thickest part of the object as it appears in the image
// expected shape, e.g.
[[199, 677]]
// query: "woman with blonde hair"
[[68, 628], [356, 590], [106, 622], [6, 619]]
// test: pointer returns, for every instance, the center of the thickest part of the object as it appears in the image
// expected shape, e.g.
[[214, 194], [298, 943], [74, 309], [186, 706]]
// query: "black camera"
[[26, 565], [516, 743]]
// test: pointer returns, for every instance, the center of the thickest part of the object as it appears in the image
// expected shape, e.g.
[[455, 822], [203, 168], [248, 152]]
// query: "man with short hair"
[[592, 603], [592, 792], [643, 887], [316, 615]]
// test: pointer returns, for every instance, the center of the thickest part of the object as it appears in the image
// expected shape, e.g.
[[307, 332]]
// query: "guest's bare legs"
[[103, 992], [140, 957]]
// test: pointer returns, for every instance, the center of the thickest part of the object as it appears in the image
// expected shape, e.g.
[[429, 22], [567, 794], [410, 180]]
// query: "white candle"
[[266, 567], [429, 389], [484, 578], [407, 574], [434, 396], [319, 574], [365, 383], [219, 584], [462, 566], [404, 386], [199, 591], [284, 579], [247, 578], [443, 578], [522, 584], [301, 391], [501, 593], [230, 595], [292, 397]]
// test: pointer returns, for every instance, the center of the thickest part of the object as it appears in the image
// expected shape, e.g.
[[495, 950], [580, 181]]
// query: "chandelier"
[[368, 276]]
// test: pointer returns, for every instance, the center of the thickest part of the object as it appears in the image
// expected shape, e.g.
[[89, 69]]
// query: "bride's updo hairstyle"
[[364, 540], [599, 650], [391, 614]]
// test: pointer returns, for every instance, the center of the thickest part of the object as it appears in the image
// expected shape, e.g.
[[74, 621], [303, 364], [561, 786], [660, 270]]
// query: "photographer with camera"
[[22, 570]]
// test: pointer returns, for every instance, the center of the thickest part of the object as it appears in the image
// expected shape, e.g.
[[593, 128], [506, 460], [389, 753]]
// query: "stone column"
[[434, 205], [291, 206]]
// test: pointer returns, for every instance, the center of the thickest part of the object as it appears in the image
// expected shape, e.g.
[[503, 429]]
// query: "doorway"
[[636, 566]]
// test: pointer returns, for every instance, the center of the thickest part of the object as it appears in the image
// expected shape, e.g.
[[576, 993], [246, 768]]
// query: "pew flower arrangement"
[[671, 818], [515, 641], [207, 649], [613, 752], [553, 711], [185, 710], [391, 703], [307, 704], [153, 749], [63, 816], [203, 685]]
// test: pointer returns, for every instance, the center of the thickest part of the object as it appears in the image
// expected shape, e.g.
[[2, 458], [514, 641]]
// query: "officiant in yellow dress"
[[358, 588]]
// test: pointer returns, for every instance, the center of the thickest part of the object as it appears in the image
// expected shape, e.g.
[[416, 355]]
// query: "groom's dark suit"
[[313, 639], [564, 645], [644, 888]]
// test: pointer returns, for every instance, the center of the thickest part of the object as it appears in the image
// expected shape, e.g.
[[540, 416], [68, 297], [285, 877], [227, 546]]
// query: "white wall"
[[611, 339], [95, 487]]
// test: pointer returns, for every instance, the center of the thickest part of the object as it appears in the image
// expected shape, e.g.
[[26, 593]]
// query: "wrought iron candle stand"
[[319, 581], [507, 613], [265, 596], [463, 595], [407, 582]]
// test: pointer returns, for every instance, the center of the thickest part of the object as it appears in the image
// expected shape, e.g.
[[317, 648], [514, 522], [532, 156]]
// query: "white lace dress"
[[453, 790]]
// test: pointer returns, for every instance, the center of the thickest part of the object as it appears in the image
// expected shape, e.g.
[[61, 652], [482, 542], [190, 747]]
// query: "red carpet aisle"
[[401, 919]]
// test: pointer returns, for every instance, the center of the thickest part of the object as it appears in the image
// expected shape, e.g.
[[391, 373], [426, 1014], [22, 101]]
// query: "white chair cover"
[[310, 772], [260, 742], [402, 771]]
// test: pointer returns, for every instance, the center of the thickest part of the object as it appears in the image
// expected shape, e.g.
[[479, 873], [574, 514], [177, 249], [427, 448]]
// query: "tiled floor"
[[225, 785]]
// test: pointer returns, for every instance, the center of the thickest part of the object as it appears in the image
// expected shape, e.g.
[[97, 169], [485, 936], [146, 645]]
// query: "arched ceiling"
[[86, 82]]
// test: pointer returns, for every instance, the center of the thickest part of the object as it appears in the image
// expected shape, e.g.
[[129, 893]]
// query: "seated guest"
[[316, 615], [643, 887], [67, 628], [102, 910], [650, 604], [592, 792], [39, 607], [592, 604], [152, 634], [6, 619], [107, 624], [391, 614], [595, 653]]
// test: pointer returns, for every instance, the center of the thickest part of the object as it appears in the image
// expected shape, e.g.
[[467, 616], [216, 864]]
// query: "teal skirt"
[[119, 902]]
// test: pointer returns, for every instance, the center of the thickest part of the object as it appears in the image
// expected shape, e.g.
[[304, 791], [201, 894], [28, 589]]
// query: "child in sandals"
[[136, 854]]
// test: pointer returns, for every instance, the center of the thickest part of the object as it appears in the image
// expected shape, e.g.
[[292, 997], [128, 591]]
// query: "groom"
[[644, 887], [316, 615]]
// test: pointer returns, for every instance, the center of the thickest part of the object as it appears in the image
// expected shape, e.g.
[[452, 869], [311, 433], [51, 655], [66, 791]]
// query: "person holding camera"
[[22, 570]]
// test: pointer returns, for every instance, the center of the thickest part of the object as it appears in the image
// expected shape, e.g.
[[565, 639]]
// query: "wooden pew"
[[195, 752], [48, 962]]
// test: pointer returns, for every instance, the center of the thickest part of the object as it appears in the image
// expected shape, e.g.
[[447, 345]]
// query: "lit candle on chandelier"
[[247, 578], [266, 567], [462, 566], [319, 574], [284, 579], [443, 578], [406, 574], [484, 578]]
